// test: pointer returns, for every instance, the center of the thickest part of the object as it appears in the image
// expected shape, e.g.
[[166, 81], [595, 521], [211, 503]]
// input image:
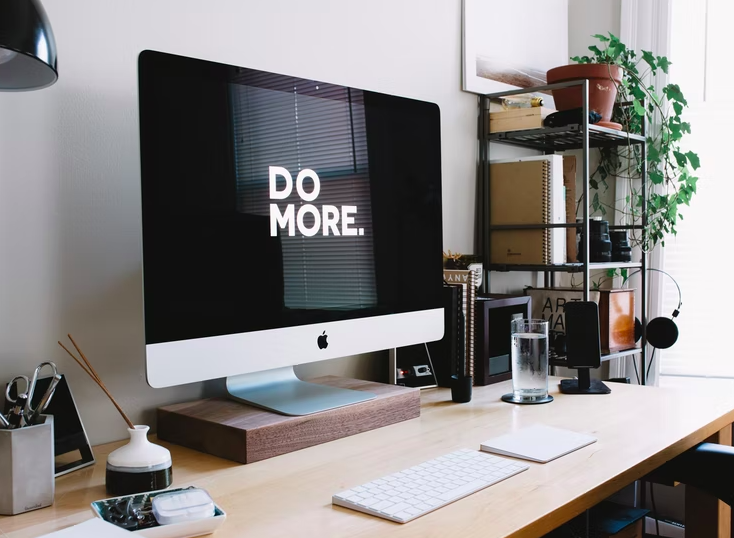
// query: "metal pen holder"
[[27, 475]]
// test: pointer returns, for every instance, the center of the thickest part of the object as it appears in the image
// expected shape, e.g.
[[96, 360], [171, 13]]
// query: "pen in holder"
[[27, 477], [138, 466]]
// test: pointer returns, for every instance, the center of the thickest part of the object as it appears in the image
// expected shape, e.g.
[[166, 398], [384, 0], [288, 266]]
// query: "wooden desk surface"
[[638, 428]]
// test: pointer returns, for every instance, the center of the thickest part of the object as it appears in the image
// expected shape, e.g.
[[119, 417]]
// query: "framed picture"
[[512, 45]]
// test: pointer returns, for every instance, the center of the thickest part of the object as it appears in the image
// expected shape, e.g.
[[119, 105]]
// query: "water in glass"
[[529, 365]]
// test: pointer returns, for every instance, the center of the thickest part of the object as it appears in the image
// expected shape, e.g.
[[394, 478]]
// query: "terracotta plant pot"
[[602, 91]]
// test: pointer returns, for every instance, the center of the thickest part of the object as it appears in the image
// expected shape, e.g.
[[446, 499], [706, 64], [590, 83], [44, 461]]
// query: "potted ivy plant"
[[670, 170]]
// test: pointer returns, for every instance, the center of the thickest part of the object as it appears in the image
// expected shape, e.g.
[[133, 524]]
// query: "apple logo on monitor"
[[323, 344]]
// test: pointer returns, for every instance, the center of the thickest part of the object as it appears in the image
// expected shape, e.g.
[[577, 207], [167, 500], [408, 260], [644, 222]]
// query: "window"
[[697, 257]]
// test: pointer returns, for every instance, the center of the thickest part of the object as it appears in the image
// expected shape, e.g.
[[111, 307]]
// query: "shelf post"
[[483, 192], [643, 253], [585, 175]]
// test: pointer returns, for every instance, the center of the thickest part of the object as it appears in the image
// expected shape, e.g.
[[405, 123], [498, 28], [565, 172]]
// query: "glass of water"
[[529, 347]]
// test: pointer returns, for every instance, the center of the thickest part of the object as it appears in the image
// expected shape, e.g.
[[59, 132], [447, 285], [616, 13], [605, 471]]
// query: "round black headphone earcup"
[[662, 333], [638, 330]]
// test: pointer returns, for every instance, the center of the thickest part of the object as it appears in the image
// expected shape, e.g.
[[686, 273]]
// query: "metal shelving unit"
[[582, 136]]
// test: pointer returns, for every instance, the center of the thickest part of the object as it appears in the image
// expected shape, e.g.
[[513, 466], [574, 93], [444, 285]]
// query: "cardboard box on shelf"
[[516, 119]]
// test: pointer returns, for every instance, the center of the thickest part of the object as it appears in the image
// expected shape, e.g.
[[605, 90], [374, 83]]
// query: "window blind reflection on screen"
[[296, 124]]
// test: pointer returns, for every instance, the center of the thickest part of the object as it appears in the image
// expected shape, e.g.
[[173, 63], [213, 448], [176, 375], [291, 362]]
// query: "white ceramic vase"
[[138, 466]]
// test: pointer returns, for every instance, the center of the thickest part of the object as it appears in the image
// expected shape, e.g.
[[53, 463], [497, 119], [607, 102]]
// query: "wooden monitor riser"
[[246, 434]]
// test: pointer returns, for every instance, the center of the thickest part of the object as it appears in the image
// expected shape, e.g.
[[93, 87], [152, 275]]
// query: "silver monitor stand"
[[281, 391]]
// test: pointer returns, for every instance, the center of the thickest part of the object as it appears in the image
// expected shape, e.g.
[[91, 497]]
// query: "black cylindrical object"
[[599, 243], [621, 249], [461, 388]]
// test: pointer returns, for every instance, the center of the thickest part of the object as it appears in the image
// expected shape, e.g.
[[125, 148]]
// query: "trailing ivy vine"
[[669, 169]]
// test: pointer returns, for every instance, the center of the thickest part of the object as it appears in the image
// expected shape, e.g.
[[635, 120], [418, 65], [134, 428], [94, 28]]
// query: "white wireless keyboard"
[[409, 494]]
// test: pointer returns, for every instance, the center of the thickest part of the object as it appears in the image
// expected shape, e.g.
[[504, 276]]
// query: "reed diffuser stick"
[[91, 372]]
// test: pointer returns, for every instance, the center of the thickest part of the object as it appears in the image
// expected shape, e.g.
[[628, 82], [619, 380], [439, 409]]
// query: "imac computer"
[[285, 221]]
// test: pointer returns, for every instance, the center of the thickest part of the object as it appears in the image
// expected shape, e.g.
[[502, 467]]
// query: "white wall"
[[587, 18], [69, 163]]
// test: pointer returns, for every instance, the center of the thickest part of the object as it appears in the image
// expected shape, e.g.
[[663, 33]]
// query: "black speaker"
[[434, 363], [662, 333]]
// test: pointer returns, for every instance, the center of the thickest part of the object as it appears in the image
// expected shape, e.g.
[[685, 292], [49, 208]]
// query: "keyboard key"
[[394, 509], [463, 490], [381, 505]]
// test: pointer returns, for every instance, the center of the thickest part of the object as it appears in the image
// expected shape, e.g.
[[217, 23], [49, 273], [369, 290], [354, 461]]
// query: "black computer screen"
[[272, 201]]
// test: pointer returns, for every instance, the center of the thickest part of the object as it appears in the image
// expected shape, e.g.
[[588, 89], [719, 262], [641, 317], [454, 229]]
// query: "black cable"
[[654, 509], [637, 375], [430, 361], [652, 358]]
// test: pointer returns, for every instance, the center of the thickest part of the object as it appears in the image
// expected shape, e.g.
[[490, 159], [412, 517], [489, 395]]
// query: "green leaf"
[[648, 57], [685, 127], [678, 108], [639, 109], [613, 37], [694, 160], [673, 93], [680, 216], [656, 177], [653, 155], [595, 49], [675, 131], [611, 273], [692, 183], [638, 92], [601, 38], [680, 158], [581, 59], [663, 63], [613, 50]]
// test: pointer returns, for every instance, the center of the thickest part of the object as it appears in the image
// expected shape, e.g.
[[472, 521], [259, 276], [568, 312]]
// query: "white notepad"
[[92, 528], [538, 443]]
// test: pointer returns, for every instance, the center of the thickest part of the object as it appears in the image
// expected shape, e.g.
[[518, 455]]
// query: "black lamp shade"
[[27, 46]]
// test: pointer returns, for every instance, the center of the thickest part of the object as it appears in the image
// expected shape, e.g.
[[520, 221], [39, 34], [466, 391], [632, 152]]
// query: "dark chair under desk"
[[708, 467]]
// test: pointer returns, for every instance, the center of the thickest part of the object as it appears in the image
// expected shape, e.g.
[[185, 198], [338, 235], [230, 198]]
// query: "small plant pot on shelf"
[[603, 81]]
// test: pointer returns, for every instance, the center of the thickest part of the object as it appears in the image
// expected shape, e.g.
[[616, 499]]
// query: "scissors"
[[30, 387]]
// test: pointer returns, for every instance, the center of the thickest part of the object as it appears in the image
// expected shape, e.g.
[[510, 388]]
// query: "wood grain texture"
[[638, 429], [246, 434]]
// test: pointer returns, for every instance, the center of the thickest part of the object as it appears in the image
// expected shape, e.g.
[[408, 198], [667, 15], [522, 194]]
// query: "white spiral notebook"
[[538, 443]]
